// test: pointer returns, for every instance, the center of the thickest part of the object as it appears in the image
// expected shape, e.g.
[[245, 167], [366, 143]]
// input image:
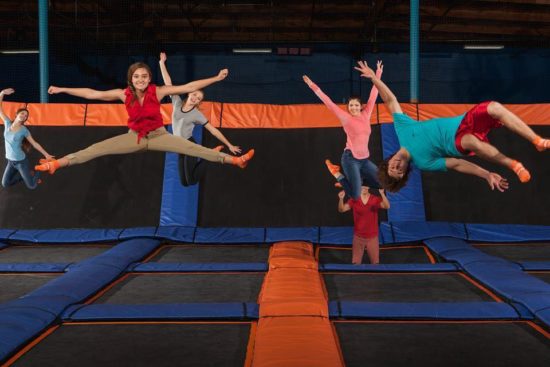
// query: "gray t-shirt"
[[184, 122]]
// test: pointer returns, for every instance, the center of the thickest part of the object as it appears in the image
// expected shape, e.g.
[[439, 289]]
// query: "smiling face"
[[397, 167], [194, 98], [354, 107], [141, 79], [21, 115]]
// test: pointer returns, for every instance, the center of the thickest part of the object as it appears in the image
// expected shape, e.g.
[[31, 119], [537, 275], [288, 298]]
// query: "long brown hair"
[[25, 145], [389, 183], [131, 70]]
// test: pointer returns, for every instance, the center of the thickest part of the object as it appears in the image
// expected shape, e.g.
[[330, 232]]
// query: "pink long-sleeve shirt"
[[357, 128]]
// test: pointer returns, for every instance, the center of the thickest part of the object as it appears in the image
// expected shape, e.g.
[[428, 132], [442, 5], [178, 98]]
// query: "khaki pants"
[[158, 139]]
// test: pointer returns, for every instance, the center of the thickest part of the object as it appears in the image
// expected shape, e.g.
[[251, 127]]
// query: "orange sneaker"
[[51, 166], [334, 169], [243, 160], [218, 148], [44, 160], [522, 172], [541, 144]]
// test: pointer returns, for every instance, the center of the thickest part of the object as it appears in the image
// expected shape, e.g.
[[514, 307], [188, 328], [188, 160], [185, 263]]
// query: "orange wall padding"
[[248, 115], [294, 327], [10, 108]]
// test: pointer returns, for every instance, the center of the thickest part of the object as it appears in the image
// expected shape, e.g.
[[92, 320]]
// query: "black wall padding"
[[286, 184], [108, 192], [457, 197]]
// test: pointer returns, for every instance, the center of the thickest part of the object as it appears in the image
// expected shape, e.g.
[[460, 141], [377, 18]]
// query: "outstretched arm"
[[341, 206], [4, 92], [38, 147], [218, 134], [390, 100], [385, 204], [493, 179], [367, 111], [190, 87], [101, 95], [342, 115], [164, 70]]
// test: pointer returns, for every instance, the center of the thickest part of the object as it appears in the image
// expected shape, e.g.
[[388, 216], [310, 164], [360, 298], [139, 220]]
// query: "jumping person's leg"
[[120, 144], [334, 170], [516, 125], [369, 174], [358, 249], [11, 175], [31, 181], [373, 250], [352, 171]]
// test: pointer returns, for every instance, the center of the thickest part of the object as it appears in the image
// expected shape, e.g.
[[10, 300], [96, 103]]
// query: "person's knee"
[[470, 142], [495, 109]]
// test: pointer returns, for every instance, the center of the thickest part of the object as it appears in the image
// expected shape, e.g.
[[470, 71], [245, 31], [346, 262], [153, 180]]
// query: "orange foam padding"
[[56, 114], [292, 254], [10, 108], [296, 342], [250, 115], [290, 291], [384, 116], [431, 111], [532, 114], [106, 115]]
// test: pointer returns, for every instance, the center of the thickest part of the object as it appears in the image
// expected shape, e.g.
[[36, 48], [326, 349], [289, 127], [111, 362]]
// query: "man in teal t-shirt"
[[439, 144]]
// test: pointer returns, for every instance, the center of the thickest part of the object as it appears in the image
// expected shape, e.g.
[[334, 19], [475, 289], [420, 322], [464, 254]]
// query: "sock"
[[541, 144], [522, 172], [51, 167]]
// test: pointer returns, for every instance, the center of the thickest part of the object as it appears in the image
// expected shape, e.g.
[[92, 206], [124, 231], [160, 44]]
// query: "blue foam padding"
[[179, 234], [535, 265], [198, 267], [507, 232], [416, 231], [385, 233], [370, 268], [33, 267], [544, 316], [129, 233], [181, 311], [336, 235], [230, 235], [310, 234], [6, 233], [408, 203], [3, 245], [424, 310], [65, 235]]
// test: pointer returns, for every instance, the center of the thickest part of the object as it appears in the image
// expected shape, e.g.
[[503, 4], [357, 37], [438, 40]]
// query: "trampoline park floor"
[[15, 285], [51, 253], [198, 253], [530, 251], [403, 254]]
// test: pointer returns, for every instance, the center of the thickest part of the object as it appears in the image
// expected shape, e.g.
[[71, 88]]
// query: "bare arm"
[[166, 90], [218, 134], [107, 95], [4, 92], [390, 100], [163, 70], [493, 179], [342, 207], [385, 204], [367, 111], [38, 147], [342, 115]]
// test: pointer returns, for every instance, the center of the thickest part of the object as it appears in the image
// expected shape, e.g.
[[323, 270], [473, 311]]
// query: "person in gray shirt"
[[185, 117]]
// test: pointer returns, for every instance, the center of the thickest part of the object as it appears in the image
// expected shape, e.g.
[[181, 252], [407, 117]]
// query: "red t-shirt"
[[143, 118], [365, 216]]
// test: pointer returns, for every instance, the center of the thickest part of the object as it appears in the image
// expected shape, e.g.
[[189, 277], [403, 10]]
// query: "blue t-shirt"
[[13, 140], [429, 142]]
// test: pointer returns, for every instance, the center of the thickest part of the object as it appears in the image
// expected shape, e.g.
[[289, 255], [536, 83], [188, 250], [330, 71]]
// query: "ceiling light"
[[14, 52], [252, 50], [483, 47]]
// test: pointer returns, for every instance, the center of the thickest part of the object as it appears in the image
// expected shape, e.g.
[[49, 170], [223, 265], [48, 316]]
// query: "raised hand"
[[7, 91], [379, 65], [223, 74], [54, 90], [163, 57], [307, 80], [365, 70], [341, 194], [496, 181]]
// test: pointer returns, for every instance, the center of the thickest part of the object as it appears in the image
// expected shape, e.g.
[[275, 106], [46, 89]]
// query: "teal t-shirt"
[[13, 141], [429, 142]]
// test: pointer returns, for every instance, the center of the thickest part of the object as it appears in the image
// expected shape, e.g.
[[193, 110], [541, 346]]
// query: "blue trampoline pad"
[[50, 253], [530, 251], [142, 344], [403, 287], [13, 286], [543, 275], [436, 344], [416, 254], [212, 253], [156, 288]]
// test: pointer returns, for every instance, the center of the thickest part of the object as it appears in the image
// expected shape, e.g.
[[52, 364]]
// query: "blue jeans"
[[19, 171], [357, 171]]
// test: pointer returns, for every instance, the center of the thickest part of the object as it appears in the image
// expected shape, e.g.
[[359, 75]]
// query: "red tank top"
[[143, 118]]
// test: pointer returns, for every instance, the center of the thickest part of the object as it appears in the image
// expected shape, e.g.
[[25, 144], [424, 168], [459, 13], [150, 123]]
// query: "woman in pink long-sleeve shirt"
[[356, 123]]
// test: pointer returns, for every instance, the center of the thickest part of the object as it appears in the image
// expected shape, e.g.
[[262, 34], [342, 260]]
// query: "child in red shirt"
[[365, 219]]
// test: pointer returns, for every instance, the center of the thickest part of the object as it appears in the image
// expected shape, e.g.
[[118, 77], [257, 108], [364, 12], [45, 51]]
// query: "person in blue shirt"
[[439, 144], [17, 140]]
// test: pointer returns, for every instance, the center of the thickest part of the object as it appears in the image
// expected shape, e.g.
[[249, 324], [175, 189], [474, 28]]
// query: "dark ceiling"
[[517, 22]]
